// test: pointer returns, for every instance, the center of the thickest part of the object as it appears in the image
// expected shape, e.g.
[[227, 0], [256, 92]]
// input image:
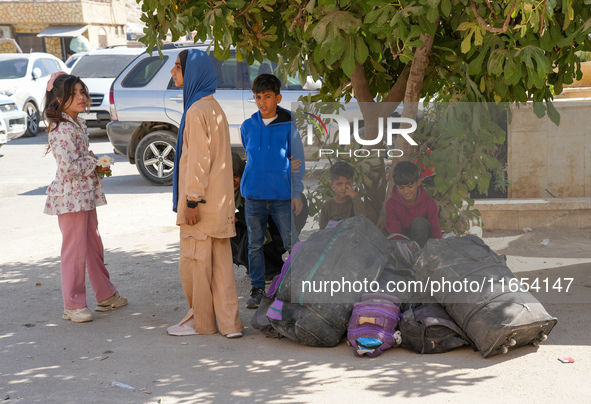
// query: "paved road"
[[44, 359]]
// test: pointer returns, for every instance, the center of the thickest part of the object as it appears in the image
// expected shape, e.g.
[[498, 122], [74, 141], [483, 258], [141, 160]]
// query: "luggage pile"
[[494, 318], [316, 299]]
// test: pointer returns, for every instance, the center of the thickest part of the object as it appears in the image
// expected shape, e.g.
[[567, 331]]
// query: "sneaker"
[[234, 335], [114, 302], [256, 295], [181, 330], [77, 315]]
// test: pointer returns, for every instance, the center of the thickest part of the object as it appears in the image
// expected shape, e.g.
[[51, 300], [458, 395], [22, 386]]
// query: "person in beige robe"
[[203, 197]]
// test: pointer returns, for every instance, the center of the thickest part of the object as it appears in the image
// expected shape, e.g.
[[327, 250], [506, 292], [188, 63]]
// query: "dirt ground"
[[126, 356]]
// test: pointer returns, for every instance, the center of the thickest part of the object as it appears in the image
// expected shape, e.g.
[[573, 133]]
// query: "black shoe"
[[256, 295], [269, 277]]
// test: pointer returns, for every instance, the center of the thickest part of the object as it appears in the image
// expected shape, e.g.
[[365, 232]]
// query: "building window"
[[30, 43]]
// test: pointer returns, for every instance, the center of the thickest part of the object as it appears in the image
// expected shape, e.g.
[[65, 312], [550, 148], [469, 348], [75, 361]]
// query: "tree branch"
[[297, 18], [360, 84], [542, 19], [397, 91], [490, 7], [394, 54], [245, 10], [486, 25]]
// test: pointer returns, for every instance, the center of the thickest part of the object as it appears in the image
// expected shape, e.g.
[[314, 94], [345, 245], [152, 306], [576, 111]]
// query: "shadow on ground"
[[45, 359]]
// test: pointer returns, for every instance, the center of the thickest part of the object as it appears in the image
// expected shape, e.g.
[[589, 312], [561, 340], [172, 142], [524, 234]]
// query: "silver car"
[[97, 69], [146, 107]]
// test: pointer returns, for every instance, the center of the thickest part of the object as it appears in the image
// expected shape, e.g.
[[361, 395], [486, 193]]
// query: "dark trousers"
[[420, 231]]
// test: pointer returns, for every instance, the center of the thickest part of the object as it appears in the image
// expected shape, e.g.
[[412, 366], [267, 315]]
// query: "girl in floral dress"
[[73, 196]]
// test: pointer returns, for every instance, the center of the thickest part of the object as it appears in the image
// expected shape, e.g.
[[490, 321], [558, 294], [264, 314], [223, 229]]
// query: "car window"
[[70, 62], [268, 67], [13, 68], [51, 65], [230, 73], [39, 64], [226, 72], [143, 72], [101, 66]]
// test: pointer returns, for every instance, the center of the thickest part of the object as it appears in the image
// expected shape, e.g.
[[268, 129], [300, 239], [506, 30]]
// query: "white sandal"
[[184, 329]]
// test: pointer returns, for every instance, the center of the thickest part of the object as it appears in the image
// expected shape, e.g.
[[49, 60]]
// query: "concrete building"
[[62, 27]]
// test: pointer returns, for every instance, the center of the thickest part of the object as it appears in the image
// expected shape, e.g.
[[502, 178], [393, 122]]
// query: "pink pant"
[[82, 250]]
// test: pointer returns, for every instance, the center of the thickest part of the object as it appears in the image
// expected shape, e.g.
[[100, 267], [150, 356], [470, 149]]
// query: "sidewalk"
[[44, 359]]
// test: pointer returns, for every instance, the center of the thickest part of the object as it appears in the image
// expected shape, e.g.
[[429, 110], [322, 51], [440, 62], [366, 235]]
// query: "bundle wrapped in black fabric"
[[472, 283], [307, 308]]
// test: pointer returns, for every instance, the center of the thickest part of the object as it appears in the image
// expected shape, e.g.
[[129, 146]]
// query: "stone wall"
[[54, 46], [41, 12], [104, 17], [7, 47], [66, 12]]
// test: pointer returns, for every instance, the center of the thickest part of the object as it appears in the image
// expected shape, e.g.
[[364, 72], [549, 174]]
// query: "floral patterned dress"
[[76, 187]]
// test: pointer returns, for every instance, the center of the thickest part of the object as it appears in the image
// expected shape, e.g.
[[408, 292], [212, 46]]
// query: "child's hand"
[[104, 171], [192, 216], [297, 205], [295, 164], [349, 191]]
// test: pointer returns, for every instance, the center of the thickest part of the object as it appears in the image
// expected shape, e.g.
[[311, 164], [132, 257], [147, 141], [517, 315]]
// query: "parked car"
[[71, 61], [98, 68], [3, 134], [146, 107], [15, 120], [23, 78]]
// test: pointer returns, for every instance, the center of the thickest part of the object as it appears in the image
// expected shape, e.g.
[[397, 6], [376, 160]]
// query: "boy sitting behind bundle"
[[347, 202], [410, 211]]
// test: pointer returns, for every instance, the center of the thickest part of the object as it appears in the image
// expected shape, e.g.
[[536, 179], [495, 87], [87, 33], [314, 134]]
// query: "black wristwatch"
[[193, 205]]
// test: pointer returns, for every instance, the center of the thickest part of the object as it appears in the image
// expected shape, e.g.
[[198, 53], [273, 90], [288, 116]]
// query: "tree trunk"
[[371, 111], [410, 110]]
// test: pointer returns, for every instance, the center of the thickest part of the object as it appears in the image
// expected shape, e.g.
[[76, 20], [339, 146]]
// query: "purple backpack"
[[373, 324]]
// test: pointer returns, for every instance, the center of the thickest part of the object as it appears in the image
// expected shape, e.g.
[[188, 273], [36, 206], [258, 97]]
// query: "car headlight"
[[8, 92]]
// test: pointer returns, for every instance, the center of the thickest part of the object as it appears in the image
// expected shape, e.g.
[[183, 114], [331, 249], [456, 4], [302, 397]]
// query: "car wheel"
[[33, 118], [154, 157]]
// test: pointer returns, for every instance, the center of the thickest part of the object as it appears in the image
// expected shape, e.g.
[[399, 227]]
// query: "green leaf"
[[348, 63], [510, 67], [319, 31], [432, 14], [446, 7], [496, 61], [466, 26], [478, 36], [377, 66], [361, 51], [467, 42], [553, 114], [539, 109]]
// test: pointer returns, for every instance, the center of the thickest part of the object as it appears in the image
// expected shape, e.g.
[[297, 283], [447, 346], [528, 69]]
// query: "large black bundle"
[[349, 257], [473, 283]]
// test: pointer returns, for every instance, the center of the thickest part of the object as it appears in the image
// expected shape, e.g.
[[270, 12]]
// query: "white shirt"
[[269, 120]]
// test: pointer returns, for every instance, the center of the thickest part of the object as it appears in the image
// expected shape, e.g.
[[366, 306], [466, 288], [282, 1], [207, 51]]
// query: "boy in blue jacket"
[[269, 187]]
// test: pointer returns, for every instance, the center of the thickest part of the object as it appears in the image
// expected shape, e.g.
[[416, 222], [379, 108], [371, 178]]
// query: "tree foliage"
[[403, 50]]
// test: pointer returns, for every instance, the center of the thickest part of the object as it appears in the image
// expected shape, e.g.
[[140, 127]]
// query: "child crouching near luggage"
[[347, 202], [73, 196], [410, 211]]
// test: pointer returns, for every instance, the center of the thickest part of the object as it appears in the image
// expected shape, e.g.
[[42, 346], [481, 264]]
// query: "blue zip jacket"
[[267, 175]]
